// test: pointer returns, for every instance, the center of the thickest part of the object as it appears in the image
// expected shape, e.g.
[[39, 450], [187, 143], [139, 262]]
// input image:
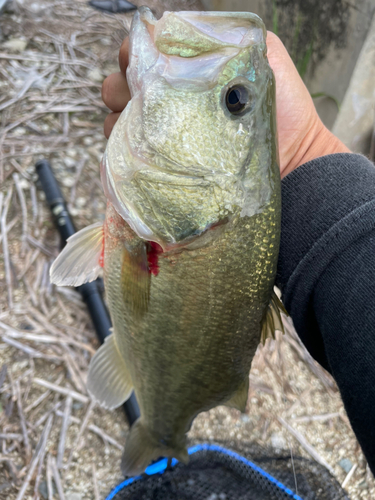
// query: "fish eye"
[[237, 99]]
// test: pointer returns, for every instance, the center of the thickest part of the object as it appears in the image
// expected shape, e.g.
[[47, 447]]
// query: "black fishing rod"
[[91, 292]]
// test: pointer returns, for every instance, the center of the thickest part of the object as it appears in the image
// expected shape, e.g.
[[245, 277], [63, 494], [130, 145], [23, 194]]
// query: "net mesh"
[[218, 473]]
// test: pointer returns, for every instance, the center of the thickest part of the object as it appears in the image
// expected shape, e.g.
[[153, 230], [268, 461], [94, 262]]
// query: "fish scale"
[[190, 319], [191, 233]]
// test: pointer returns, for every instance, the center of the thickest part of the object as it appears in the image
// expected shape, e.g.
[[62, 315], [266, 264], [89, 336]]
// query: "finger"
[[123, 57], [115, 92], [277, 54], [109, 123]]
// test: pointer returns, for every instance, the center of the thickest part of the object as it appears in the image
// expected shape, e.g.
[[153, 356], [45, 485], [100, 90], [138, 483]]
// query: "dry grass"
[[53, 440]]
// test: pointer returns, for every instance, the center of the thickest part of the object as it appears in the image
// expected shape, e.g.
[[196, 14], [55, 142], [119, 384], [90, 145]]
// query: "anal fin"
[[239, 398], [272, 320], [108, 380], [79, 260]]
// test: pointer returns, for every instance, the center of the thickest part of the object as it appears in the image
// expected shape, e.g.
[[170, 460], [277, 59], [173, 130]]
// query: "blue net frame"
[[160, 467]]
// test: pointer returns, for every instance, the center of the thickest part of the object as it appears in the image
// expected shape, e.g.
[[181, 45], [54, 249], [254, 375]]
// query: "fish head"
[[196, 145]]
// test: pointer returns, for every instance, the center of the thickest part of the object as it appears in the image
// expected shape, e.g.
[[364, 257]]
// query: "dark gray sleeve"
[[326, 272]]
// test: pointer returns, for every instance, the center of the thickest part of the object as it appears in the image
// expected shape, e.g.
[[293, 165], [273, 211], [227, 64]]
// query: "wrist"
[[318, 142]]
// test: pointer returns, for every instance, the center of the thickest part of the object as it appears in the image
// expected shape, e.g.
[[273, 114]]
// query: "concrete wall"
[[332, 75], [355, 122]]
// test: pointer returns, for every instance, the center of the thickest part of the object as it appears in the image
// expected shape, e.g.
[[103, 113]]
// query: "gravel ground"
[[53, 440]]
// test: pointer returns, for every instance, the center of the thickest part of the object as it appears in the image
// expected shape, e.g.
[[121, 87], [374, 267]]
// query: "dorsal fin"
[[272, 319]]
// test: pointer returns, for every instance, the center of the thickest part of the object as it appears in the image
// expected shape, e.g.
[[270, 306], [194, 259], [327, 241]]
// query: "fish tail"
[[141, 450]]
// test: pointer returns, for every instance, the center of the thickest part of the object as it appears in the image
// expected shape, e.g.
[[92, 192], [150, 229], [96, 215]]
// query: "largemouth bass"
[[190, 241]]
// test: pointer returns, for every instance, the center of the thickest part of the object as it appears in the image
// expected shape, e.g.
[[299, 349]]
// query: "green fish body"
[[191, 235]]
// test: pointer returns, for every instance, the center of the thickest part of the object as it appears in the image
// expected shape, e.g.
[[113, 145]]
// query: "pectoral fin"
[[135, 277], [79, 261], [272, 320], [109, 381], [239, 398]]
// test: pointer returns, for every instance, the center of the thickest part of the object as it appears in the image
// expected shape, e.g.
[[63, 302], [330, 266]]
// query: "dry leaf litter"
[[54, 441]]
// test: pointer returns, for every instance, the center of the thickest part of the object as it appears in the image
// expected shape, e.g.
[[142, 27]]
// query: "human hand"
[[302, 135], [115, 90]]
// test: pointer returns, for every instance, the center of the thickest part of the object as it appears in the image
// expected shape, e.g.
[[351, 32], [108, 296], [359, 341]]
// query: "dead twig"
[[105, 436], [29, 350], [64, 429], [292, 338], [62, 390], [305, 444], [44, 417], [6, 387], [56, 477], [349, 476], [40, 466], [3, 374], [10, 226], [18, 167], [37, 401], [96, 430], [49, 478], [37, 454], [14, 472], [314, 418], [3, 223], [48, 339], [80, 168], [26, 441], [40, 246], [29, 262], [76, 445], [74, 370], [21, 197], [11, 435], [34, 202], [95, 482]]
